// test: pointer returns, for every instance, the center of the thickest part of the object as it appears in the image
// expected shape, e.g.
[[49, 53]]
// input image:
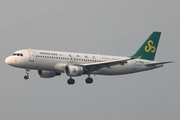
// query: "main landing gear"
[[27, 74], [71, 81], [88, 80]]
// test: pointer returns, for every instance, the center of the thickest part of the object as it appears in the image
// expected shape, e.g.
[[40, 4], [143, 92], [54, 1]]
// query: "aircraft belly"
[[46, 66], [43, 65], [122, 69], [115, 70]]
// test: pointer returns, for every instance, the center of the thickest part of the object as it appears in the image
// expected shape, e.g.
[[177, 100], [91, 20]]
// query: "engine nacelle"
[[73, 71], [47, 74]]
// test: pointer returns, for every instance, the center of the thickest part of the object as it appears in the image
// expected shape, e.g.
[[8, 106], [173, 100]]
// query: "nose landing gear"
[[27, 73]]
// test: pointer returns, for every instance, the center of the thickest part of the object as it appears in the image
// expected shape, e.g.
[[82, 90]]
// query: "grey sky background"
[[115, 27]]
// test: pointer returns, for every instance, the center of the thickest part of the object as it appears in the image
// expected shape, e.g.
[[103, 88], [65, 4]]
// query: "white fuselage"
[[56, 61]]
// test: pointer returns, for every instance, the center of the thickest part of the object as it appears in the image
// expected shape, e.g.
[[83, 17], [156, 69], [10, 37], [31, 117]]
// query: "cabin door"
[[134, 64], [31, 56]]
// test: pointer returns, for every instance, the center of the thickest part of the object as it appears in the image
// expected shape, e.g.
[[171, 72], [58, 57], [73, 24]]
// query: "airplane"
[[52, 63]]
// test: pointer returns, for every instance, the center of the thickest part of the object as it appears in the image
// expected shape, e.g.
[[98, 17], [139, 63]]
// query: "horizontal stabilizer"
[[158, 63]]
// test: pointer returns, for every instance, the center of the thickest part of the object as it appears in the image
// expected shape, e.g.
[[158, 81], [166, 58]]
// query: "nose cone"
[[15, 61], [8, 60]]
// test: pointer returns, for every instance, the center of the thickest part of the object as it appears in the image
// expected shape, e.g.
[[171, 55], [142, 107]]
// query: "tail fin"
[[148, 49]]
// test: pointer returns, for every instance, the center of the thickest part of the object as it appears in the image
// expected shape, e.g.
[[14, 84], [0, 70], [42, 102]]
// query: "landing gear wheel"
[[89, 80], [26, 77], [71, 81], [27, 73]]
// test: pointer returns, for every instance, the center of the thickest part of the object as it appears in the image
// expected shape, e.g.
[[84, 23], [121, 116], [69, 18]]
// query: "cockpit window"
[[17, 54]]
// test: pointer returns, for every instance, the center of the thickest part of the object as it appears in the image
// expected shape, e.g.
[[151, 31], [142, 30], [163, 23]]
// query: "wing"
[[158, 63], [106, 64]]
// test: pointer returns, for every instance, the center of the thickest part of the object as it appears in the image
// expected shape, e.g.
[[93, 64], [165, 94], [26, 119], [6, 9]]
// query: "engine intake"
[[73, 71], [48, 74]]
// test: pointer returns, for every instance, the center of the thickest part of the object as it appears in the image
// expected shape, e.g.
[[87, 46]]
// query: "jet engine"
[[48, 74], [73, 71]]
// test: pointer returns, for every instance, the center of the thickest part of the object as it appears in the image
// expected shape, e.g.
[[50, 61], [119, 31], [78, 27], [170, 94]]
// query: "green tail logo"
[[148, 49]]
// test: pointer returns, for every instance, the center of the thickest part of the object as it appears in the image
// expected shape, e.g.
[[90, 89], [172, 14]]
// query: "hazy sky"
[[114, 27]]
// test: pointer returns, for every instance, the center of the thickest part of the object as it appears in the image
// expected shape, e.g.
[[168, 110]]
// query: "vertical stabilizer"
[[148, 49]]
